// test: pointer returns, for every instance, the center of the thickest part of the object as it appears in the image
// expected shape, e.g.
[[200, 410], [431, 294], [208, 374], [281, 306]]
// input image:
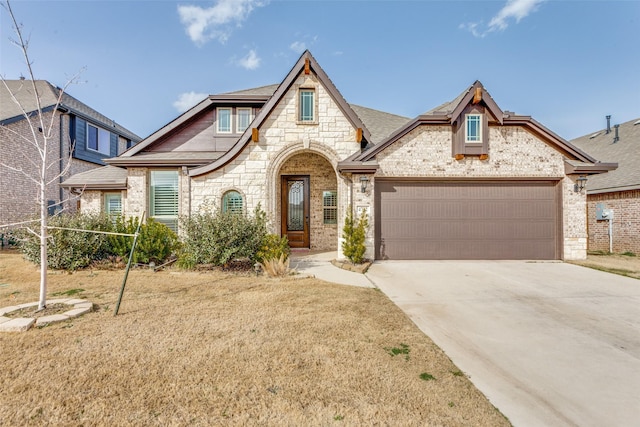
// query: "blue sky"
[[566, 63]]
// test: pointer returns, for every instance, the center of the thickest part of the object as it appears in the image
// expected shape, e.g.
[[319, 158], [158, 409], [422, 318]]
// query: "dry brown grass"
[[618, 264], [218, 348]]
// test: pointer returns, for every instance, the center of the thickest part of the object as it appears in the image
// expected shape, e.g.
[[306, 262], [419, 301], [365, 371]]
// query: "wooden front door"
[[295, 210]]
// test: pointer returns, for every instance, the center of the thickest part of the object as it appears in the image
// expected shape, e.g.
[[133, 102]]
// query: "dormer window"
[[243, 119], [307, 106], [473, 129], [224, 120]]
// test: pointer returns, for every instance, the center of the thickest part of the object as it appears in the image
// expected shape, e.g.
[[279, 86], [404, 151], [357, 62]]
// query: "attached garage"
[[468, 219]]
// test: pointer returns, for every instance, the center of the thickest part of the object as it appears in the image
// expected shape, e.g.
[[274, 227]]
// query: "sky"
[[566, 63]]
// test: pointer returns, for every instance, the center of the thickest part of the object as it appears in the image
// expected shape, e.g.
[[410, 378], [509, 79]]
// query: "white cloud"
[[216, 22], [250, 62], [514, 9], [187, 100], [298, 47]]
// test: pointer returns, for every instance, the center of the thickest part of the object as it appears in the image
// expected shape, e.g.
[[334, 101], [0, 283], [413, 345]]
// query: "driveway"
[[549, 343]]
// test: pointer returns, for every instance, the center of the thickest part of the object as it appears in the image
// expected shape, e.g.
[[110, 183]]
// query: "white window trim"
[[314, 120], [108, 153], [480, 129], [333, 208], [238, 109], [218, 109], [107, 196]]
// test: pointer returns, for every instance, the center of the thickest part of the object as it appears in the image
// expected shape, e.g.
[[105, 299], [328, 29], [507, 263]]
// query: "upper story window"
[[473, 129], [98, 139], [243, 118], [224, 120], [307, 105], [232, 202]]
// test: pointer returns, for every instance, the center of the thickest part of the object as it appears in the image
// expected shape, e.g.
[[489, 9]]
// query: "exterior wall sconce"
[[580, 184], [364, 181]]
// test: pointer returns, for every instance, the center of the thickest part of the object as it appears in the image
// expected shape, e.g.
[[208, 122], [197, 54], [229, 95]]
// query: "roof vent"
[[594, 135], [608, 124], [21, 77], [616, 138], [637, 122]]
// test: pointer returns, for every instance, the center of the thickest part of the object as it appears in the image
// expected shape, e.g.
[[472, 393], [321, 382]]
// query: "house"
[[80, 135], [613, 199], [465, 180]]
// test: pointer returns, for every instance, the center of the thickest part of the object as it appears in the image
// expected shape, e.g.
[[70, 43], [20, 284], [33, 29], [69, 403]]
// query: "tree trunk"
[[43, 240]]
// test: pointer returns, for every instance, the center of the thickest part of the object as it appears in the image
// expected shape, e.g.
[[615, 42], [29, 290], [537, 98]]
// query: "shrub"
[[156, 241], [273, 247], [70, 250], [354, 235], [215, 237]]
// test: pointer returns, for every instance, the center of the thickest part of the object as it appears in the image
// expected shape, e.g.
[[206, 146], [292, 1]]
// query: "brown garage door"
[[467, 220]]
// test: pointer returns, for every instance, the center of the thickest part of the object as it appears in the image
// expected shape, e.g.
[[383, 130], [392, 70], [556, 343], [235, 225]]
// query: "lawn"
[[217, 348]]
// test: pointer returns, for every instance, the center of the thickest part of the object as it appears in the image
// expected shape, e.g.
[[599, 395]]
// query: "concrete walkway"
[[318, 264], [550, 344]]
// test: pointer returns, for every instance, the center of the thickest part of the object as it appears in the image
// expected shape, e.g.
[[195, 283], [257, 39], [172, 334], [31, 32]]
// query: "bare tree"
[[40, 142]]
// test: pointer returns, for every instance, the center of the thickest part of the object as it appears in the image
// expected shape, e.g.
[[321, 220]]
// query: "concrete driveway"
[[549, 343]]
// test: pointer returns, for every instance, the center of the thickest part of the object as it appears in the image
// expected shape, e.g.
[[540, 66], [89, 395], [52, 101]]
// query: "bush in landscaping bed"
[[156, 241], [70, 250], [216, 237]]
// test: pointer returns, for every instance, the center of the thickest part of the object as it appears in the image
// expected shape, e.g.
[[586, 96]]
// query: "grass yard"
[[221, 348]]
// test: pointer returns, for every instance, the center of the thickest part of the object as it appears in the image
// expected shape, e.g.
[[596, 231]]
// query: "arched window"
[[232, 202]]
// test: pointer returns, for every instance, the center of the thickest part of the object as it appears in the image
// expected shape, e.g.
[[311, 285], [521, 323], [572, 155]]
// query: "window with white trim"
[[113, 204], [163, 197], [224, 120], [243, 118], [307, 105], [232, 202], [330, 207], [98, 139], [473, 129]]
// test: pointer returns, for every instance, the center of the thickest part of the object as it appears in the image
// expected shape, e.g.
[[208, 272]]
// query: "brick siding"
[[626, 221]]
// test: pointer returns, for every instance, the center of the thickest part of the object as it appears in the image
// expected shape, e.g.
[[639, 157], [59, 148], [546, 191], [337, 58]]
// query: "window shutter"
[[164, 197]]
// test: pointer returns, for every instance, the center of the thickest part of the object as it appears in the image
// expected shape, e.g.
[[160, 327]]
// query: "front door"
[[295, 210]]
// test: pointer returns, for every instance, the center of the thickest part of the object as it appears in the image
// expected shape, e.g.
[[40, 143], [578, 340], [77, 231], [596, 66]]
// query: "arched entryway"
[[308, 201]]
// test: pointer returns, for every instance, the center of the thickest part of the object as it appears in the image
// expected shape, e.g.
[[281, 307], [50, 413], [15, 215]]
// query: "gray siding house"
[[80, 135]]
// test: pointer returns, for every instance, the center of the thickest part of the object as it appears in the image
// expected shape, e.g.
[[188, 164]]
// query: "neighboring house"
[[466, 180], [617, 192], [80, 135]]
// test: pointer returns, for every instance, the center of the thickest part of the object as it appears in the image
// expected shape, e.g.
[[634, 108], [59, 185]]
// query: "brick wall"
[[626, 221], [20, 195], [513, 152]]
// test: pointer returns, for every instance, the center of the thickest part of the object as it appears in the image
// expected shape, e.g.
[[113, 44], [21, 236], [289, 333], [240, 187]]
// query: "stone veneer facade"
[[288, 147]]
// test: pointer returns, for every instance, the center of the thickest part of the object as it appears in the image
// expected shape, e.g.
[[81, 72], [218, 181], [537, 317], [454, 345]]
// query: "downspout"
[[63, 113]]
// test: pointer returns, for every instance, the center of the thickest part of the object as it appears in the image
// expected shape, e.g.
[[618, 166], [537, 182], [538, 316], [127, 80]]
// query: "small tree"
[[354, 234], [41, 140]]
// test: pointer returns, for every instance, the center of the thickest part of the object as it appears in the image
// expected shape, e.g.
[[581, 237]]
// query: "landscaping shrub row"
[[210, 237]]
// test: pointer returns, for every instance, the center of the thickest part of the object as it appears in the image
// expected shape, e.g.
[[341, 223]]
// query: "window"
[[473, 132], [307, 104], [232, 202], [224, 120], [163, 198], [98, 139], [113, 204], [330, 207], [243, 119]]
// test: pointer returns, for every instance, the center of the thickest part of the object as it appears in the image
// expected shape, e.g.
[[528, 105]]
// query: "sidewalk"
[[318, 264]]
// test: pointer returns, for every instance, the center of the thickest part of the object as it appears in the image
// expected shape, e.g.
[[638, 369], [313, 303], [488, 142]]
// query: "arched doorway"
[[307, 191]]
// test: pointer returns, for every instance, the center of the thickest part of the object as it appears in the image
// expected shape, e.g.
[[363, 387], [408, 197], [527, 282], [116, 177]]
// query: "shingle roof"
[[106, 177], [23, 91], [379, 123], [626, 152], [259, 91]]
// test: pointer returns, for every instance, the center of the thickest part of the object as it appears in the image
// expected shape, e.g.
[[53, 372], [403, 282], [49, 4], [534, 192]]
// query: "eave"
[[357, 167], [582, 168]]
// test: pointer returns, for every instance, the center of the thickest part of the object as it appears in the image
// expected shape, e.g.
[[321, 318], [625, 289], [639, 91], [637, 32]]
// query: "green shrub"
[[156, 241], [354, 234], [215, 237], [273, 247], [70, 250]]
